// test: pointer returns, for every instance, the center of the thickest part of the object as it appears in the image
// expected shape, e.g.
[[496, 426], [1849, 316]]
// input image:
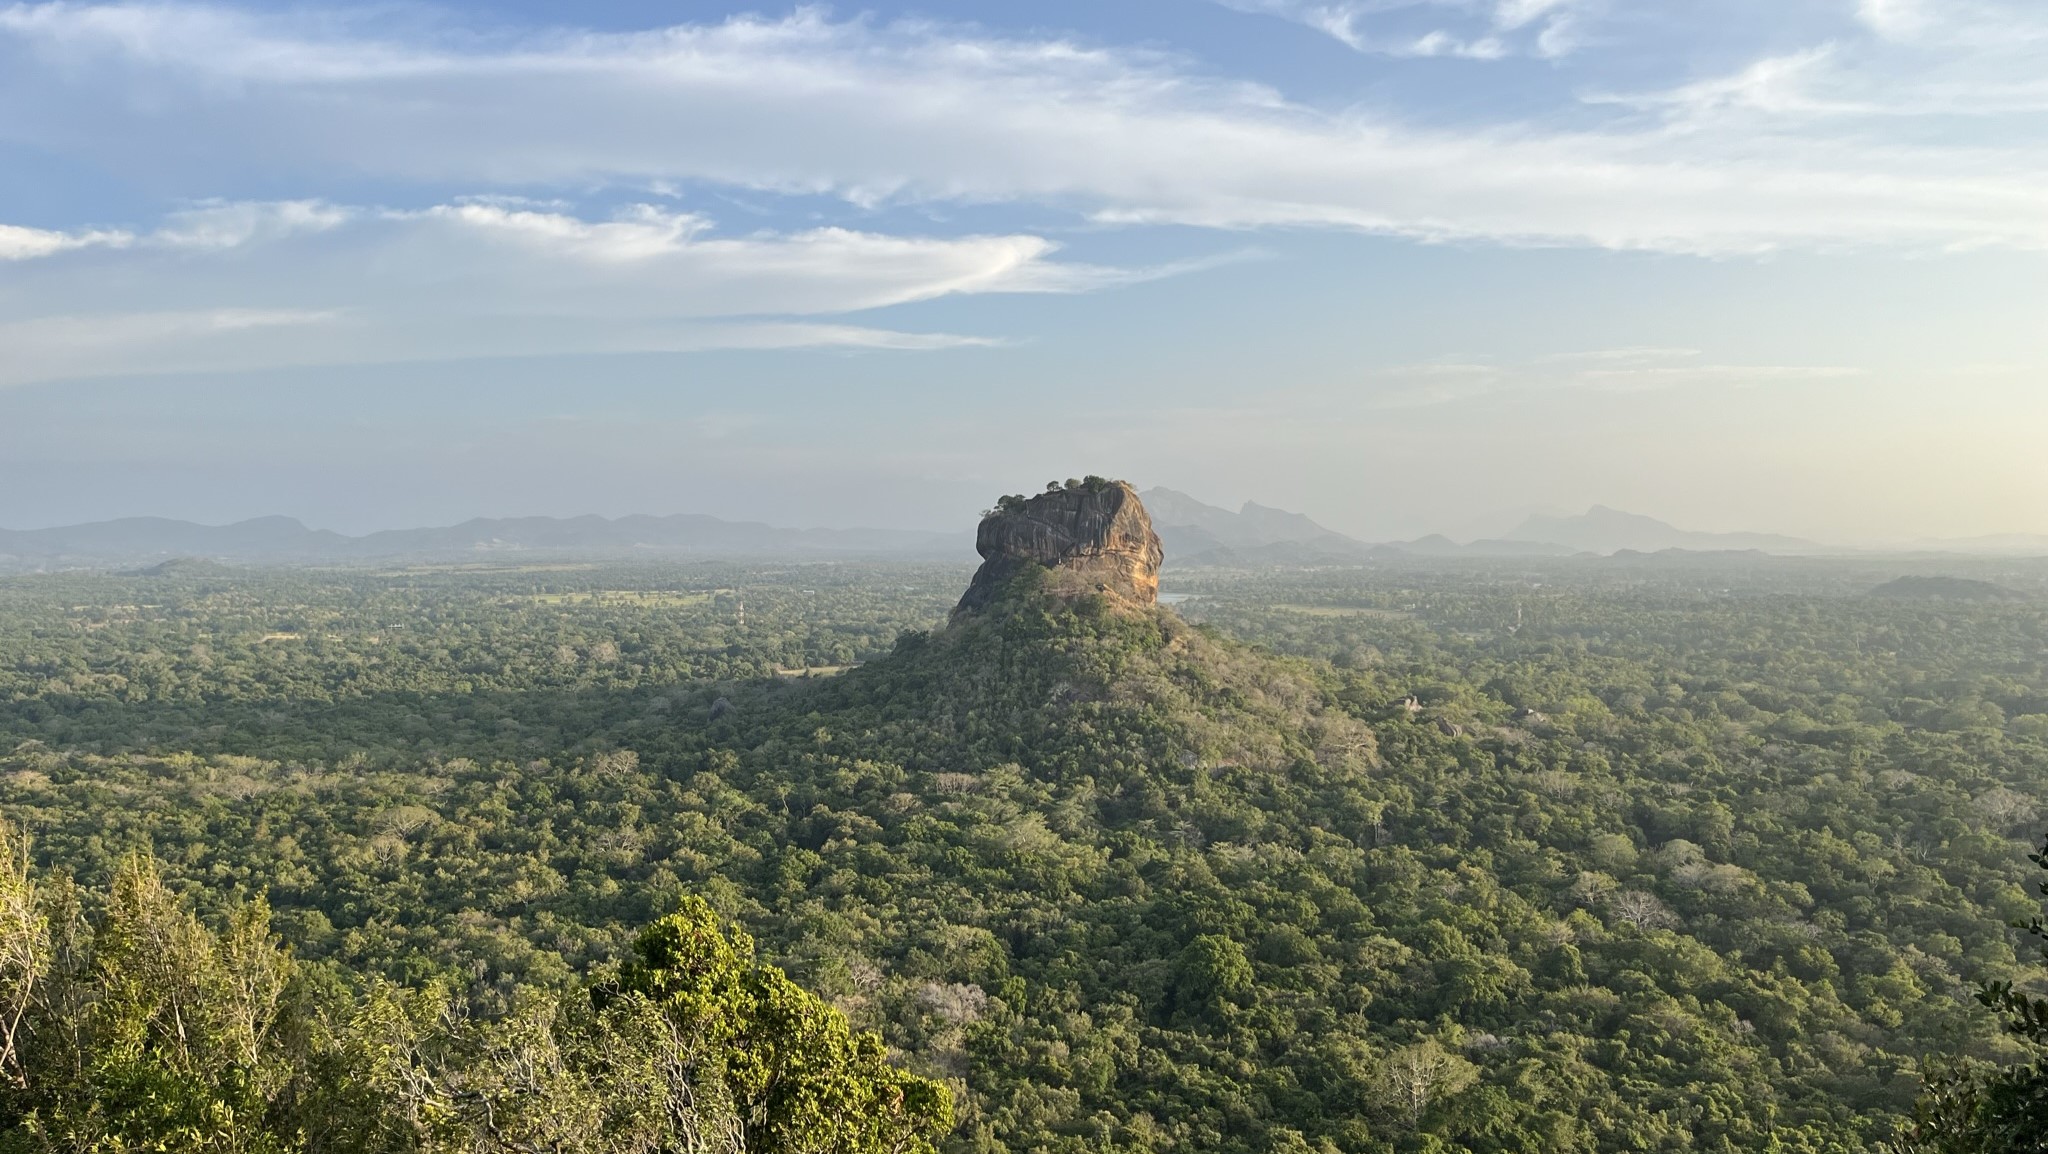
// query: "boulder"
[[1094, 537]]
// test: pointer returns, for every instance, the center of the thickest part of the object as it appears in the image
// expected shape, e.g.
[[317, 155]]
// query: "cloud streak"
[[244, 340], [1467, 29], [923, 113], [304, 283], [1965, 68], [20, 243]]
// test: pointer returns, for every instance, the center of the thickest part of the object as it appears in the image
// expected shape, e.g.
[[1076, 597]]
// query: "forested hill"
[[1522, 868]]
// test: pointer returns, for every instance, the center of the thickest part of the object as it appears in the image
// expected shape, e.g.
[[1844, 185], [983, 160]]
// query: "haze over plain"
[[1405, 267]]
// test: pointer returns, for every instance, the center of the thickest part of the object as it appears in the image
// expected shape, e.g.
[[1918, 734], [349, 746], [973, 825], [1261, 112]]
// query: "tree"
[[1969, 1109], [798, 1078], [1213, 973], [149, 1031], [159, 1035], [1413, 1077], [24, 952]]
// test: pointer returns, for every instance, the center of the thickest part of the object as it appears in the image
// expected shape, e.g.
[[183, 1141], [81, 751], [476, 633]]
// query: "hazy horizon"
[[1510, 525], [1406, 266]]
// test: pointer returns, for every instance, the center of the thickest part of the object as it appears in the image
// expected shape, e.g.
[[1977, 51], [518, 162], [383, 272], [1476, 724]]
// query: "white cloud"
[[646, 233], [240, 286], [20, 243], [225, 225], [919, 112], [1470, 29], [1788, 84], [1984, 24], [1963, 67], [1521, 13]]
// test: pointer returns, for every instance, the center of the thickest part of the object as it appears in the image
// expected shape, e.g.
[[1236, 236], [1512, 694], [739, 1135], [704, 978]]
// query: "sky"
[[1408, 266]]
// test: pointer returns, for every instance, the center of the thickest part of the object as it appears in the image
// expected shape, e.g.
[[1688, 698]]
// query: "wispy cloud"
[[241, 340], [75, 345], [1982, 24], [251, 285], [1970, 63], [1788, 84], [887, 114], [20, 243], [223, 225], [1468, 29]]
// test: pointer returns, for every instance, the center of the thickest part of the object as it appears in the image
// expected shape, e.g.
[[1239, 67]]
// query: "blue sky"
[[1406, 265]]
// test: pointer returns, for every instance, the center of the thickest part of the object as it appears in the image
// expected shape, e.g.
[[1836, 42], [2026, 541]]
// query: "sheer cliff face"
[[1095, 540]]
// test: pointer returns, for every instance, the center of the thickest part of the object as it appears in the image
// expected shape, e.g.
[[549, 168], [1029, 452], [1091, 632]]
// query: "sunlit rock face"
[[1095, 538]]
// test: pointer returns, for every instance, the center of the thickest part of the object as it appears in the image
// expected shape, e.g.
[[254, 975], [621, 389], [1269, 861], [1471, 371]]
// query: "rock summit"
[[1094, 536]]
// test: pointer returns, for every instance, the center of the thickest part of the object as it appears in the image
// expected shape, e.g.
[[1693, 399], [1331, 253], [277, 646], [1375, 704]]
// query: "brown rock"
[[1095, 538]]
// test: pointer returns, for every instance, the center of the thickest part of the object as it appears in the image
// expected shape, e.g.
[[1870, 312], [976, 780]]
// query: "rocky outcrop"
[[1095, 538]]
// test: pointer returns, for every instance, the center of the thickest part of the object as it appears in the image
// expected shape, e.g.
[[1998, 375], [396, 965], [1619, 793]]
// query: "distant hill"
[[1605, 530], [284, 540], [1943, 589], [137, 538], [1251, 526], [1997, 544], [682, 532], [1259, 536], [1195, 532], [1192, 531]]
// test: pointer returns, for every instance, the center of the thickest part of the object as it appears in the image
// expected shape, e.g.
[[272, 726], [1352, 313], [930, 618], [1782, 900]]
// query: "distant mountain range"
[[1997, 545], [1196, 533], [1191, 529], [1193, 532], [1604, 530], [282, 539]]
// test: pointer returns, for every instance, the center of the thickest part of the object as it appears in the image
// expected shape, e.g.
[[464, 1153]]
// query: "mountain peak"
[[1094, 536], [1195, 529]]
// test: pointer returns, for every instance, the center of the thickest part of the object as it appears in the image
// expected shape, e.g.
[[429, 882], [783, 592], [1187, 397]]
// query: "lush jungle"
[[1564, 856]]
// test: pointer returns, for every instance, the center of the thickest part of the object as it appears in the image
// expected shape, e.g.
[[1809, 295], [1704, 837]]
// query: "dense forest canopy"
[[1642, 854]]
